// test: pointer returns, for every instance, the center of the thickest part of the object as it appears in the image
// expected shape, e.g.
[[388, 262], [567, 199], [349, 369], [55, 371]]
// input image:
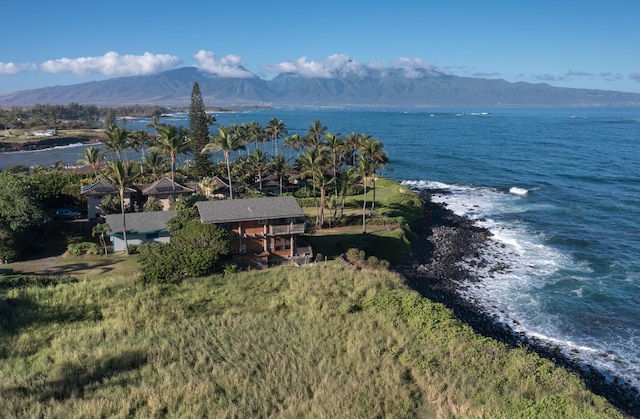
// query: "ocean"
[[559, 189]]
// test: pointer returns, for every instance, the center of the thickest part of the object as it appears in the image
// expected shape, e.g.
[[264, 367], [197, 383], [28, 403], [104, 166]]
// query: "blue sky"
[[570, 43]]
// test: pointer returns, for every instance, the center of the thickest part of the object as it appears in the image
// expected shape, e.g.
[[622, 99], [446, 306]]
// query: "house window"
[[263, 221], [243, 248], [151, 236]]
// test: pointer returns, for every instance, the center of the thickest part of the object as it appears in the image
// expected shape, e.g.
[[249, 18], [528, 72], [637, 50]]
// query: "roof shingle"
[[139, 222], [232, 210]]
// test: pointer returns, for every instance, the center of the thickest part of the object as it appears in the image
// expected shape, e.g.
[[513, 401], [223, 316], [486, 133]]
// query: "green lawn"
[[386, 236]]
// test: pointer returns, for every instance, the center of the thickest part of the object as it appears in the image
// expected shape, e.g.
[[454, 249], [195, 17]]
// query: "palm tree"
[[334, 145], [310, 163], [259, 163], [120, 175], [280, 166], [365, 168], [373, 151], [226, 141], [117, 140], [255, 132], [353, 144], [207, 184], [101, 230], [276, 129], [321, 182], [92, 157], [139, 140], [155, 163], [295, 142], [172, 142], [154, 126], [314, 133], [348, 180]]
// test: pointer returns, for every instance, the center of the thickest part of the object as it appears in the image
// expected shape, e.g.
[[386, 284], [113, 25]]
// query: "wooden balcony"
[[277, 230]]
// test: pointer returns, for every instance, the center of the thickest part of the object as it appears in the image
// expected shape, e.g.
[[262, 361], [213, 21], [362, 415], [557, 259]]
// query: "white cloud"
[[340, 65], [413, 67], [337, 65], [228, 66], [13, 68], [375, 65], [112, 63]]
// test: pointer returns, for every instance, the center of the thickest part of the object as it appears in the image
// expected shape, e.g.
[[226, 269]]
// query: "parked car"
[[67, 214]]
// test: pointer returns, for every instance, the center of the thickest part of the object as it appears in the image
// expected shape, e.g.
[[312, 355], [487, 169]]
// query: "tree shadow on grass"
[[23, 311], [58, 267], [72, 379]]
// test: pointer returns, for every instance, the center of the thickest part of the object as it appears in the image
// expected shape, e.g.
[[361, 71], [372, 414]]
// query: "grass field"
[[323, 340]]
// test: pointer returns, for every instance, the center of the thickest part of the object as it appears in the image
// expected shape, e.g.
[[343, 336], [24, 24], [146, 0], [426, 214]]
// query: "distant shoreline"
[[43, 144]]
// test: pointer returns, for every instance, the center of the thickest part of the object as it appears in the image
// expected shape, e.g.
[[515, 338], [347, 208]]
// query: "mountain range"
[[370, 88]]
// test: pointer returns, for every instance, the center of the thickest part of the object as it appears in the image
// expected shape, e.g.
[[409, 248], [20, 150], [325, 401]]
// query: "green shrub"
[[307, 202], [359, 258], [230, 268], [159, 263], [194, 251], [354, 255], [375, 263], [83, 248], [153, 204]]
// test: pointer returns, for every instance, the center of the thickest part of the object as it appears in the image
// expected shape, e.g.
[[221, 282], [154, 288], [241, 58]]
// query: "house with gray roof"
[[164, 189], [100, 189], [142, 227], [262, 231]]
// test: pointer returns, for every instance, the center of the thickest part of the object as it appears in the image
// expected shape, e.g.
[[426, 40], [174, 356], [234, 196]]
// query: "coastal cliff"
[[435, 268]]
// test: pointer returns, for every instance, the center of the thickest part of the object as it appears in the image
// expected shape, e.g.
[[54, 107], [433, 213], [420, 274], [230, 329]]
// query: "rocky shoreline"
[[443, 240], [43, 144]]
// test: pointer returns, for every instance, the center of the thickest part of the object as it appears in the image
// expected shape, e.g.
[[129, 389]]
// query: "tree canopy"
[[18, 210]]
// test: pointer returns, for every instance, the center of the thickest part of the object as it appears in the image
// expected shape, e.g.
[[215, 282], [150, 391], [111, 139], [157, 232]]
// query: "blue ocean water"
[[558, 188]]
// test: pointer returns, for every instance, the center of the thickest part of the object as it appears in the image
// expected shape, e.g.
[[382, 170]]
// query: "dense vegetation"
[[327, 169], [71, 116], [324, 340]]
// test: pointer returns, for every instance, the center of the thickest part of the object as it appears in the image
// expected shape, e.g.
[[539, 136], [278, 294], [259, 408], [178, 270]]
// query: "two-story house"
[[263, 231]]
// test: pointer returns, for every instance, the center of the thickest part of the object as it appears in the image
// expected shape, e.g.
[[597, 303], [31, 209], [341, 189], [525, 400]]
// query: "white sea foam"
[[515, 271], [40, 150], [518, 191]]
